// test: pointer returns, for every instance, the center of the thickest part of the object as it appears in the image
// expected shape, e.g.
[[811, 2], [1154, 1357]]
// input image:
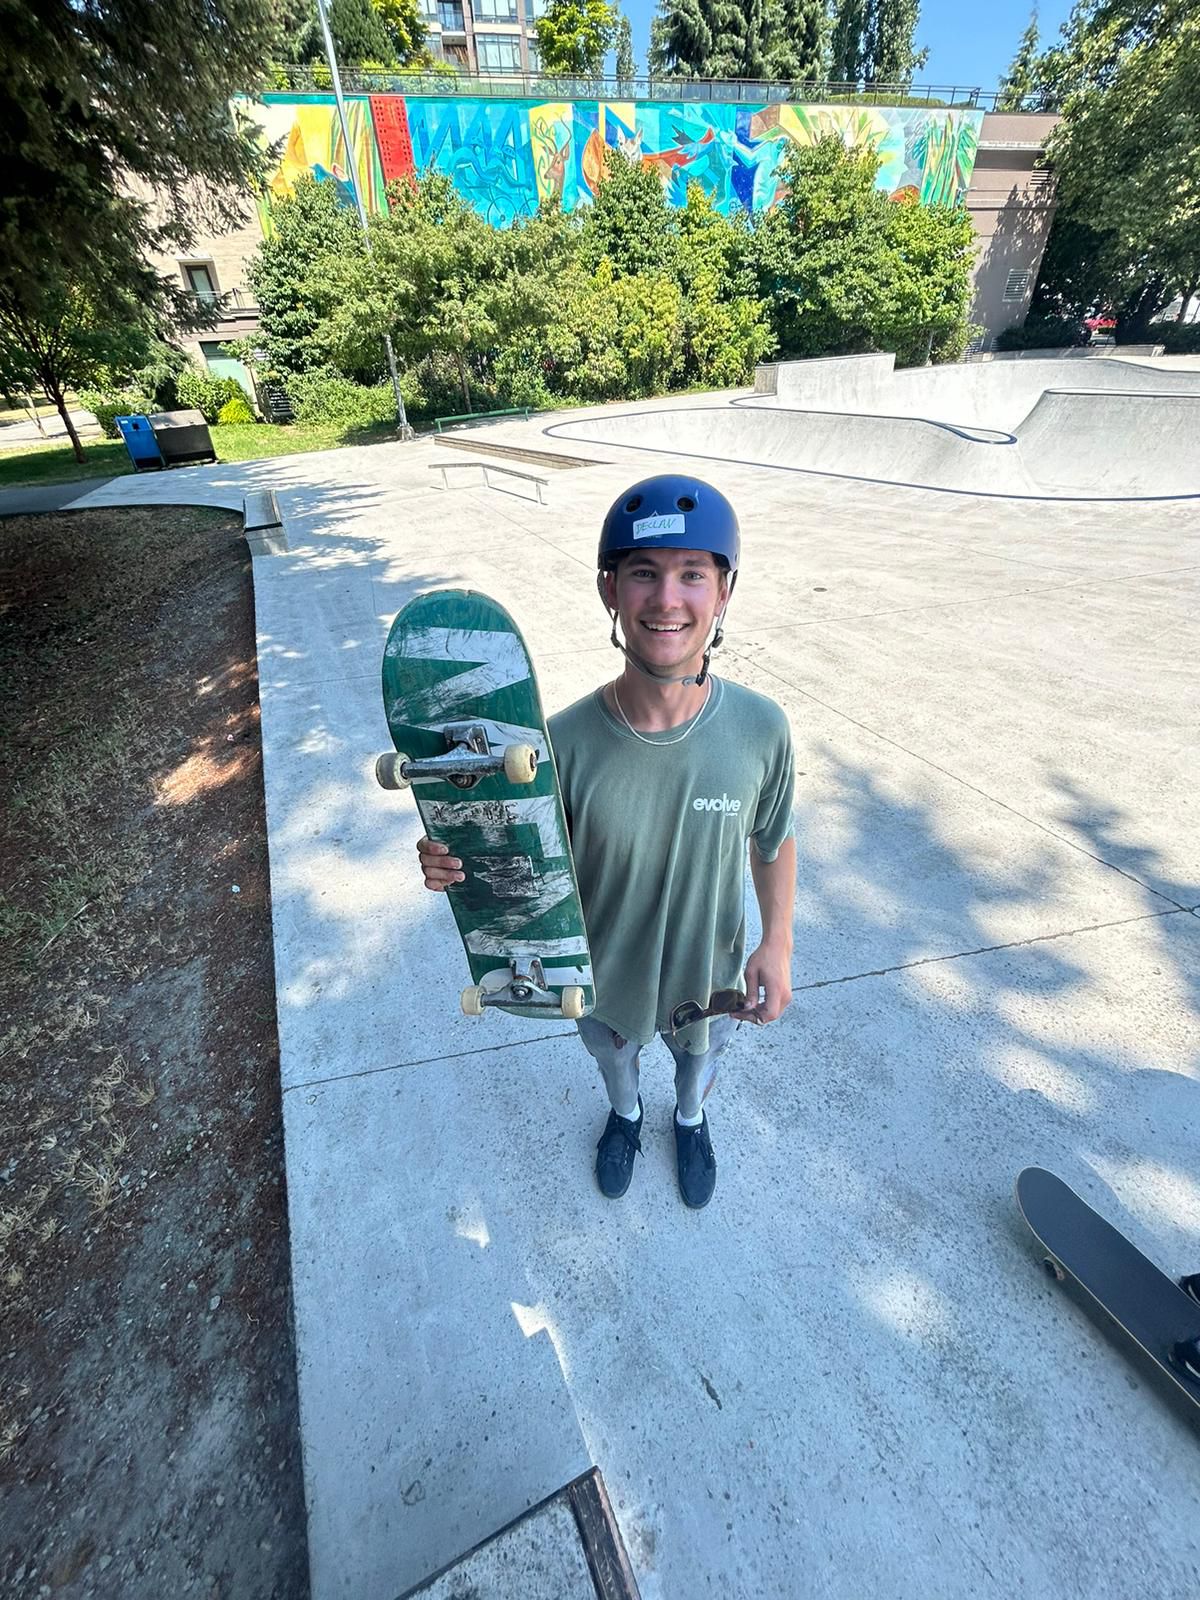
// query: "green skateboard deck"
[[465, 716]]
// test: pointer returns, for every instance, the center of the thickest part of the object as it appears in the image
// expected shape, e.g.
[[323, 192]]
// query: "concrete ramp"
[[1148, 443], [987, 394], [1071, 445]]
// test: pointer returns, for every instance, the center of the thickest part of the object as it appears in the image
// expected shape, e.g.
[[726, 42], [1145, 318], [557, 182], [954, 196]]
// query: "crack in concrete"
[[424, 1061], [988, 949]]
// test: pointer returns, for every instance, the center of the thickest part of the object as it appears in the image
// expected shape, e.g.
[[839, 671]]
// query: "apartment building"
[[494, 38]]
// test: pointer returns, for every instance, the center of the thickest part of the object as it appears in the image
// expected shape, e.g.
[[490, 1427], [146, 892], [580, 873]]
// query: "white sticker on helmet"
[[648, 527]]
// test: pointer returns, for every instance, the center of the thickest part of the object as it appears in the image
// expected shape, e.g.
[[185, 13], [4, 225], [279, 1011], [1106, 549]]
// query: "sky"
[[969, 46]]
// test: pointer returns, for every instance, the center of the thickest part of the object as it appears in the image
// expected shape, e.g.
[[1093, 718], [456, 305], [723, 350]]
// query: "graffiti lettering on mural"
[[507, 156]]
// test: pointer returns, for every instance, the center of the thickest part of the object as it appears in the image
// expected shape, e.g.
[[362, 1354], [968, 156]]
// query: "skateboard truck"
[[468, 758], [526, 986]]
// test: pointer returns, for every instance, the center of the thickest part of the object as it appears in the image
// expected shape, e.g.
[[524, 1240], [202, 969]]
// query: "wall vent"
[[1017, 284]]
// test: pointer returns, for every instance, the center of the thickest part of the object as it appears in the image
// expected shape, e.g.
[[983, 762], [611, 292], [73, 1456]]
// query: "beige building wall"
[[1012, 201]]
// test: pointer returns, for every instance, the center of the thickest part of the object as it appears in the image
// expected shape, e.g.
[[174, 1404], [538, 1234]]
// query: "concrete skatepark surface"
[[1116, 430], [849, 1374]]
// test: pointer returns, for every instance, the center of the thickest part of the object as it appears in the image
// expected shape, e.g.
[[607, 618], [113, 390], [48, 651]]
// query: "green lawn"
[[108, 458]]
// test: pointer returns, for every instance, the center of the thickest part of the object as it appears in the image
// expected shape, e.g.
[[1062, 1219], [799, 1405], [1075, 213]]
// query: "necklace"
[[679, 739]]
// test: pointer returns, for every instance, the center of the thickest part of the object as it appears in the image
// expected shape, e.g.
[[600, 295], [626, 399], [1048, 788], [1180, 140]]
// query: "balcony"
[[229, 304]]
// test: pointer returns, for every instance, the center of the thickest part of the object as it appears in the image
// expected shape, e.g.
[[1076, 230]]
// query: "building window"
[[535, 57], [1018, 282], [456, 55], [450, 15], [200, 279], [494, 10], [534, 9], [498, 53]]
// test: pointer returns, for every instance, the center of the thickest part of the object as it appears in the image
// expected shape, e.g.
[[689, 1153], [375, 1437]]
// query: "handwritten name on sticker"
[[647, 527]]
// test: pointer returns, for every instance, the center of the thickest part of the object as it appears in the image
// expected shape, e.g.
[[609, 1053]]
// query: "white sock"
[[631, 1116], [689, 1122]]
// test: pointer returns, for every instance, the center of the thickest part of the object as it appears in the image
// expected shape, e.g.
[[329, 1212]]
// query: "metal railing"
[[541, 86], [228, 302]]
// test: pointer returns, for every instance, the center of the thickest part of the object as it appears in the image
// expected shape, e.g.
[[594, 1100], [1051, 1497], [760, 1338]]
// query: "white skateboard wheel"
[[387, 771], [520, 763], [572, 1002], [472, 1001]]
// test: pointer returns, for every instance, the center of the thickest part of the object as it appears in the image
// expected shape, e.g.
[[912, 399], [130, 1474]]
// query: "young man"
[[668, 776]]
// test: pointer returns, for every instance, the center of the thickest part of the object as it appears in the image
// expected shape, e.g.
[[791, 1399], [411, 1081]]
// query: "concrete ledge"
[[265, 533]]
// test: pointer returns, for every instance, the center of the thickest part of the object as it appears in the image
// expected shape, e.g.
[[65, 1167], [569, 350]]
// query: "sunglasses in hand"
[[724, 1003]]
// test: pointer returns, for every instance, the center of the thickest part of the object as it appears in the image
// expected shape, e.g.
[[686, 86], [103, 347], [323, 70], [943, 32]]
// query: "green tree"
[[362, 31], [307, 226], [626, 65], [1017, 84], [112, 149], [574, 35], [681, 39], [1127, 151], [739, 29], [65, 338], [104, 101], [794, 40], [845, 270], [630, 223], [846, 44], [402, 19], [726, 328], [888, 55], [617, 338], [925, 287], [433, 281], [820, 252]]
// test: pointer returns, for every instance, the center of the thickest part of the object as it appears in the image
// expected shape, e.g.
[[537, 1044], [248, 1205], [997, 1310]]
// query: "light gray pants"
[[618, 1061]]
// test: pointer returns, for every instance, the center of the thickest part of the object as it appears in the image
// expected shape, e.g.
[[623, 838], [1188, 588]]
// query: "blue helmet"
[[671, 512]]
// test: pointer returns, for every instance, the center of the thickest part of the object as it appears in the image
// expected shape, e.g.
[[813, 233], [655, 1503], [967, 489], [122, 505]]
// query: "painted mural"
[[506, 156]]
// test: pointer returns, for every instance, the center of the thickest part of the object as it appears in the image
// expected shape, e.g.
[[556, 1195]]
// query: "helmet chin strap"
[[661, 677]]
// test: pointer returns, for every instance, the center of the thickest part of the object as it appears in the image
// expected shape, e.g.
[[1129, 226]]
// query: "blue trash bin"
[[140, 442]]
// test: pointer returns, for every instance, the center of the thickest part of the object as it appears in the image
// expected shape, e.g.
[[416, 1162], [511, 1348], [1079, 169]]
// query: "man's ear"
[[610, 588]]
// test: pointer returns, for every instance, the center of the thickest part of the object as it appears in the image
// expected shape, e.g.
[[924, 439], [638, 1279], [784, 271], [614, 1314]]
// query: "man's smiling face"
[[667, 601]]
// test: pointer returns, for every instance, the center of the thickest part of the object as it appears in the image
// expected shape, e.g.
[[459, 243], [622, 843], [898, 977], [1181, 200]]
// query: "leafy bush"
[[200, 391], [1176, 339], [107, 405], [235, 410], [1043, 333], [328, 397]]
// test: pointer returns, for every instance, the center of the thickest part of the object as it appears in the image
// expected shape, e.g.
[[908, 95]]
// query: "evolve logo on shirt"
[[720, 802]]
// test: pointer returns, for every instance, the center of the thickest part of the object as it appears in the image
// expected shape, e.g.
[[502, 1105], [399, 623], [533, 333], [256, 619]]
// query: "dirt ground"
[[148, 1417]]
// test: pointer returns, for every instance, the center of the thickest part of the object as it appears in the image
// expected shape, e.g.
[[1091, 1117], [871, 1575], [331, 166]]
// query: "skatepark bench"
[[464, 419], [486, 470]]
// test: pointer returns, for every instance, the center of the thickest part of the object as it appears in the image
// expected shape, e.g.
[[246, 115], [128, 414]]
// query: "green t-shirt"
[[659, 834]]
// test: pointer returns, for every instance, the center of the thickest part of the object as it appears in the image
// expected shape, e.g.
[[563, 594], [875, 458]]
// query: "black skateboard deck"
[[1156, 1319]]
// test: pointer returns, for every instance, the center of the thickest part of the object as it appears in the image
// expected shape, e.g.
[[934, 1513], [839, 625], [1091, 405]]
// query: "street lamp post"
[[404, 426]]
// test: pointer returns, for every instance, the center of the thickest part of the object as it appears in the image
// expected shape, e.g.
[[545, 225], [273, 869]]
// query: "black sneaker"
[[697, 1164], [619, 1144]]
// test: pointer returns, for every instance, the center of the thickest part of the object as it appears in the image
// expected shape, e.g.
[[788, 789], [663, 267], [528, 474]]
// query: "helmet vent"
[[686, 503], [633, 503]]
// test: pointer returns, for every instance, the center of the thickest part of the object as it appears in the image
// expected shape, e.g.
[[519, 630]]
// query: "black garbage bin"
[[182, 436]]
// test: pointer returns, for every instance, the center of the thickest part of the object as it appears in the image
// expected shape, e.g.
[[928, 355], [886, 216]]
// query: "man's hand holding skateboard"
[[440, 869]]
